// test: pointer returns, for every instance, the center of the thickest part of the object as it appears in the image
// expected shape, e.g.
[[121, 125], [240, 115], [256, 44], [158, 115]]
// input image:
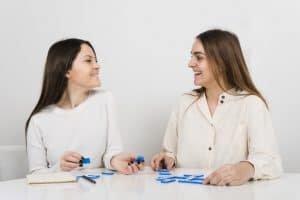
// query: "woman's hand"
[[231, 174], [70, 160], [160, 160], [125, 163]]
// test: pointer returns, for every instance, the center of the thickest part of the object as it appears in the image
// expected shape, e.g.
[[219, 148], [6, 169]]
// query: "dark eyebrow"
[[89, 56], [197, 53]]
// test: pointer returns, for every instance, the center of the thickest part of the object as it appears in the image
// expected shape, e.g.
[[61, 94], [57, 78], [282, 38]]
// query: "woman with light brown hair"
[[224, 125]]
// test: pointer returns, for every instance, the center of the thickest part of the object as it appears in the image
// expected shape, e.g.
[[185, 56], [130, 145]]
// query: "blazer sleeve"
[[169, 146], [262, 141]]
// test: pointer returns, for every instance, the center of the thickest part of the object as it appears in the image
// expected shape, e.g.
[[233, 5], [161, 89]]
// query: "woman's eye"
[[88, 61], [199, 58]]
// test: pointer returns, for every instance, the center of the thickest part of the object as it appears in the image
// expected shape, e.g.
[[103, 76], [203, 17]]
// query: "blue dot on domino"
[[140, 159], [85, 161]]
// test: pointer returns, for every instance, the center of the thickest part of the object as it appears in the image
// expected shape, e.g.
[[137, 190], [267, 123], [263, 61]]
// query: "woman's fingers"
[[226, 181], [157, 162], [153, 161], [217, 176], [169, 163], [76, 155], [235, 182], [141, 166], [70, 160], [134, 168], [67, 166], [129, 170], [215, 179], [162, 161], [73, 159]]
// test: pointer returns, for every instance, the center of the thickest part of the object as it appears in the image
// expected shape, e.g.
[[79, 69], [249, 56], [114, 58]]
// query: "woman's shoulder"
[[188, 98], [254, 101], [43, 114]]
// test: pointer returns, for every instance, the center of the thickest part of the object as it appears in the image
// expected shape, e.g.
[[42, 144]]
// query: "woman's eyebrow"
[[197, 53], [89, 56]]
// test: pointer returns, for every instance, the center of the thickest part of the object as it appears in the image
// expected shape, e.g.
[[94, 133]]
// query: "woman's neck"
[[213, 93], [72, 98], [212, 96]]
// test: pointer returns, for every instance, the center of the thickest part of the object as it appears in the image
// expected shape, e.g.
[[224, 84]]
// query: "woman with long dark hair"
[[224, 125], [72, 119]]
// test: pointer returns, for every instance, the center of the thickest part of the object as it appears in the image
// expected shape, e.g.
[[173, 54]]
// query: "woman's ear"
[[68, 74]]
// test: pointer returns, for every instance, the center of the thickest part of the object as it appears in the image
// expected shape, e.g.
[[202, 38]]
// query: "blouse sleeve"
[[36, 150], [114, 143], [262, 142], [169, 145]]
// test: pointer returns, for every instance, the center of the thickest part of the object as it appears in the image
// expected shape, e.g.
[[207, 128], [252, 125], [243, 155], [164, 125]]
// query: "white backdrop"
[[143, 47]]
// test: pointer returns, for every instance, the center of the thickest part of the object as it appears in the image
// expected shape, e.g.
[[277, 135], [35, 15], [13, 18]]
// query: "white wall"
[[144, 48]]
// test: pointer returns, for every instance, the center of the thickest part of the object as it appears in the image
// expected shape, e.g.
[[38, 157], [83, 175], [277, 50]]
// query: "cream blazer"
[[239, 130]]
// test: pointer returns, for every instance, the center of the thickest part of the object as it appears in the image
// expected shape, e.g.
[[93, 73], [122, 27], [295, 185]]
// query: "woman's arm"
[[114, 142], [36, 151], [262, 141], [170, 138]]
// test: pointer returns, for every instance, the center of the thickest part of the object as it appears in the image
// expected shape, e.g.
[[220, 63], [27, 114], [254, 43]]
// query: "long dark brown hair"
[[59, 60], [227, 62]]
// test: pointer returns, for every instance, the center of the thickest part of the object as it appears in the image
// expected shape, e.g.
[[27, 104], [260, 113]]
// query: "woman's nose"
[[191, 63], [97, 66]]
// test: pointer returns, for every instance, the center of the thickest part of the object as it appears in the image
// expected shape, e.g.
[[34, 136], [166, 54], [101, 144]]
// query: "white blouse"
[[89, 129], [240, 129]]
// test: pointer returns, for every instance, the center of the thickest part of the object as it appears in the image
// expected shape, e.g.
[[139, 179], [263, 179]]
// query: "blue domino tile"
[[196, 179], [107, 173], [167, 180], [164, 170], [140, 159], [191, 182], [85, 161]]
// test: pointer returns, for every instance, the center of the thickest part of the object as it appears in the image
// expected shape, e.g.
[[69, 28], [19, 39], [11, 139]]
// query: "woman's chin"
[[95, 85], [198, 83]]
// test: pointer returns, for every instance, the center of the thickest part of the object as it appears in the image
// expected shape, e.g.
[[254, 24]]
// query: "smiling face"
[[84, 72], [203, 75]]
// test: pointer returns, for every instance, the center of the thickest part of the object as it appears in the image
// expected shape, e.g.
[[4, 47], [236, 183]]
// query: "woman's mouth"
[[197, 73], [94, 74]]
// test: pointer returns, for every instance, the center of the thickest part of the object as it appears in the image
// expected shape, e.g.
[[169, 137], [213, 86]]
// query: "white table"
[[144, 186]]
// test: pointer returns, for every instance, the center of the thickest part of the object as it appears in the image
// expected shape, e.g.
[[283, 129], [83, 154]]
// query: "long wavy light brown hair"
[[227, 62]]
